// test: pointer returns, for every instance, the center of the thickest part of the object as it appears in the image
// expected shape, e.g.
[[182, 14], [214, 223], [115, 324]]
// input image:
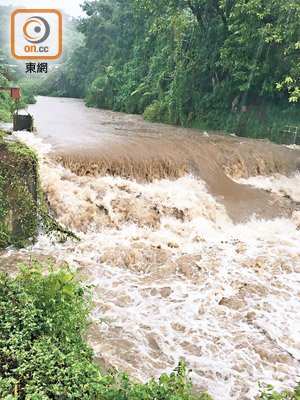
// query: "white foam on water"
[[179, 280], [279, 184]]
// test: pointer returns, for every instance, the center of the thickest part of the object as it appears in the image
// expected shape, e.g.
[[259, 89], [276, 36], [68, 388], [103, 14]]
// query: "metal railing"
[[291, 131]]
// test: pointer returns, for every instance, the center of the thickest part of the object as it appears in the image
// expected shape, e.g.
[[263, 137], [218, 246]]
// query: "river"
[[191, 238]]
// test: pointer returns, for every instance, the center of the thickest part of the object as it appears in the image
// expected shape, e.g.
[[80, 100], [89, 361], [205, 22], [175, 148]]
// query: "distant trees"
[[262, 50], [187, 61]]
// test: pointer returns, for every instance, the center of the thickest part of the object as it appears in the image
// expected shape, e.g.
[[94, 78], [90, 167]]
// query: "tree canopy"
[[188, 62]]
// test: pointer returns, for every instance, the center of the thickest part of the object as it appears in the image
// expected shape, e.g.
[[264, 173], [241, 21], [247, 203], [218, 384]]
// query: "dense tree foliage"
[[189, 62], [185, 62]]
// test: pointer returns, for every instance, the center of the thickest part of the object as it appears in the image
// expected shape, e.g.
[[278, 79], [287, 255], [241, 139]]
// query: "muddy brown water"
[[90, 141], [192, 239]]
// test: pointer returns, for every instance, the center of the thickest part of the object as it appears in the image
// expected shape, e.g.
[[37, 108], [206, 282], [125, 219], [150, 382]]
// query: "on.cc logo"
[[36, 34], [40, 29]]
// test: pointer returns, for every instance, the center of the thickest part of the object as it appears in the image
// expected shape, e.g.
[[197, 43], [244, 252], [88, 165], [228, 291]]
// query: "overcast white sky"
[[69, 6]]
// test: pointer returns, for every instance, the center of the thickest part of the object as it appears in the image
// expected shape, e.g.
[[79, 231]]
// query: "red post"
[[15, 93]]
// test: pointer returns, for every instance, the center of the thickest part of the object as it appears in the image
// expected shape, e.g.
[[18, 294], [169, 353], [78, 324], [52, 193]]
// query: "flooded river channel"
[[191, 238]]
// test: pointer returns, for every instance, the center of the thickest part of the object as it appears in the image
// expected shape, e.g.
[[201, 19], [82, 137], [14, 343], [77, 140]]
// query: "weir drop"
[[191, 240]]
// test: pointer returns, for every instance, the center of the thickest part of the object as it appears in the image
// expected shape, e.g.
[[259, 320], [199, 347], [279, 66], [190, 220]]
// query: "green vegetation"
[[190, 62], [271, 394], [22, 204], [12, 71], [43, 355], [7, 104], [186, 62], [10, 74], [44, 315], [18, 205]]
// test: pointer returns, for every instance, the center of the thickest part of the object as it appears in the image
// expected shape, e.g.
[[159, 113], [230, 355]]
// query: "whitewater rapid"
[[178, 279]]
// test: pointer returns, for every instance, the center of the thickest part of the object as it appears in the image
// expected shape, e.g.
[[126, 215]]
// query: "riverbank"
[[22, 204], [47, 357], [18, 194]]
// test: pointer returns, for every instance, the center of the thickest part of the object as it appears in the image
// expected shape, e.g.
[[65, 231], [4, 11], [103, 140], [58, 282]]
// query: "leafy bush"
[[43, 355], [271, 394], [155, 112], [6, 103]]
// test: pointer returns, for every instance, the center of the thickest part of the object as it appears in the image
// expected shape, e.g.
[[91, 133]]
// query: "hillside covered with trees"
[[196, 63]]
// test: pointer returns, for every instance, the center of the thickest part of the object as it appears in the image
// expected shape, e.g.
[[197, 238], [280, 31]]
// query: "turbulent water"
[[92, 142], [178, 277], [278, 184]]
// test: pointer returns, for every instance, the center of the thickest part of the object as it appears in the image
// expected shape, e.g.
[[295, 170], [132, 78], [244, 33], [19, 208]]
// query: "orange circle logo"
[[39, 30]]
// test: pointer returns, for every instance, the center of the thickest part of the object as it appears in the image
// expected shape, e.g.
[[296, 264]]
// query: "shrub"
[[270, 394], [43, 355]]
